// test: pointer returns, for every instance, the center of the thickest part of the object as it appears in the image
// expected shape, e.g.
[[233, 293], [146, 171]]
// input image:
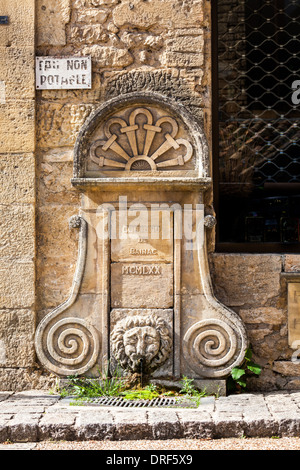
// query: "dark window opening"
[[256, 124]]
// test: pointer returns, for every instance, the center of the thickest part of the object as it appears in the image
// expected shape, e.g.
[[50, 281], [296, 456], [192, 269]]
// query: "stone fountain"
[[142, 296]]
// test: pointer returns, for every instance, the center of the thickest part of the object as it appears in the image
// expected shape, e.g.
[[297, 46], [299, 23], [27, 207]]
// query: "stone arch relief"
[[69, 345]]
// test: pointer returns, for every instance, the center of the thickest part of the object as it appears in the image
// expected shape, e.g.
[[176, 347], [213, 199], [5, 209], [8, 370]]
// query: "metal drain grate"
[[155, 403]]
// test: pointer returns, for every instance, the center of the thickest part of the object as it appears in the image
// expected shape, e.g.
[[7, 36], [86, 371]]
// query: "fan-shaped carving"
[[137, 134]]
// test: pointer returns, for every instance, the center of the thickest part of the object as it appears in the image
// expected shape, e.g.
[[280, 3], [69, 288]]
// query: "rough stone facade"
[[162, 46]]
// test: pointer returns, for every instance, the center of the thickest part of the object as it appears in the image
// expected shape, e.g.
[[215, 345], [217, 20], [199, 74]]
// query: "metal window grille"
[[258, 155]]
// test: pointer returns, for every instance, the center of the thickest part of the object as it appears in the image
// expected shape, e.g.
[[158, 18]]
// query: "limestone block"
[[19, 379], [292, 263], [255, 335], [287, 368], [17, 118], [91, 34], [258, 278], [145, 15], [267, 315], [94, 3], [143, 241], [17, 231], [54, 184], [97, 3], [137, 285], [20, 30], [182, 59], [142, 40], [17, 279], [54, 280], [17, 179], [52, 17], [91, 15], [186, 43], [59, 124], [87, 95], [20, 83], [16, 338], [108, 56]]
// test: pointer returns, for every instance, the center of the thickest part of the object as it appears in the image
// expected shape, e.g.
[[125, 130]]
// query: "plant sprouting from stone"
[[238, 377]]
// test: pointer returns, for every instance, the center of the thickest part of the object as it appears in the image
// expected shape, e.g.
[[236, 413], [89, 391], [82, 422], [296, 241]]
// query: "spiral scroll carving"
[[211, 347]]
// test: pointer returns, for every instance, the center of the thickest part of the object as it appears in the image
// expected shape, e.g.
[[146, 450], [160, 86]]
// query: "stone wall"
[[152, 45]]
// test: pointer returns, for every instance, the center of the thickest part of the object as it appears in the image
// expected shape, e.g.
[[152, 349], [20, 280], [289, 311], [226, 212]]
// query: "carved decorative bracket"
[[69, 345]]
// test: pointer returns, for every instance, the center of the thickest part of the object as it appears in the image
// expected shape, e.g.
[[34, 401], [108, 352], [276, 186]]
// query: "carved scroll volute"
[[67, 345]]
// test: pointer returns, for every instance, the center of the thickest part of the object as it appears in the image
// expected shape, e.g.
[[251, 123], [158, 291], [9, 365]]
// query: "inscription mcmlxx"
[[143, 270]]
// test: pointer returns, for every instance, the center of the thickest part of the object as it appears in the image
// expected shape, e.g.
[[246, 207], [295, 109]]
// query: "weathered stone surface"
[[54, 185], [96, 425], [130, 424], [92, 34], [57, 274], [17, 328], [55, 237], [292, 263], [20, 31], [181, 59], [268, 315], [91, 15], [20, 85], [17, 280], [108, 56], [59, 123], [17, 231], [23, 427], [258, 275], [52, 427], [164, 426], [186, 43], [17, 118], [158, 13]]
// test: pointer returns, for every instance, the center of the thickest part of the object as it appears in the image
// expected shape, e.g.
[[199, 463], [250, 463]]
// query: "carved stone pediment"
[[144, 134]]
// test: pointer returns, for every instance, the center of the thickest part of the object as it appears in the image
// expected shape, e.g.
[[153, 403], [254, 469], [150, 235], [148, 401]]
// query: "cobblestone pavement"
[[37, 416]]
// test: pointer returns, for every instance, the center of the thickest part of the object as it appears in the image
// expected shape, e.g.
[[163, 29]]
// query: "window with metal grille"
[[256, 111]]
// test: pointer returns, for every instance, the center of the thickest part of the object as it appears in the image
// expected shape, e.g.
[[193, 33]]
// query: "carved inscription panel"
[[140, 285], [142, 261], [146, 239]]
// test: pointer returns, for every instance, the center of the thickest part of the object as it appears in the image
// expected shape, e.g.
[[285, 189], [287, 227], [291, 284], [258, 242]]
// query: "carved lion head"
[[141, 342]]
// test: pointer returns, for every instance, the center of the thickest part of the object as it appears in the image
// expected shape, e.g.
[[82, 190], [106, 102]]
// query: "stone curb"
[[34, 417]]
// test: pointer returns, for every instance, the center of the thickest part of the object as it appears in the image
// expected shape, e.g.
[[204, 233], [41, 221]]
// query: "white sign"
[[68, 73]]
